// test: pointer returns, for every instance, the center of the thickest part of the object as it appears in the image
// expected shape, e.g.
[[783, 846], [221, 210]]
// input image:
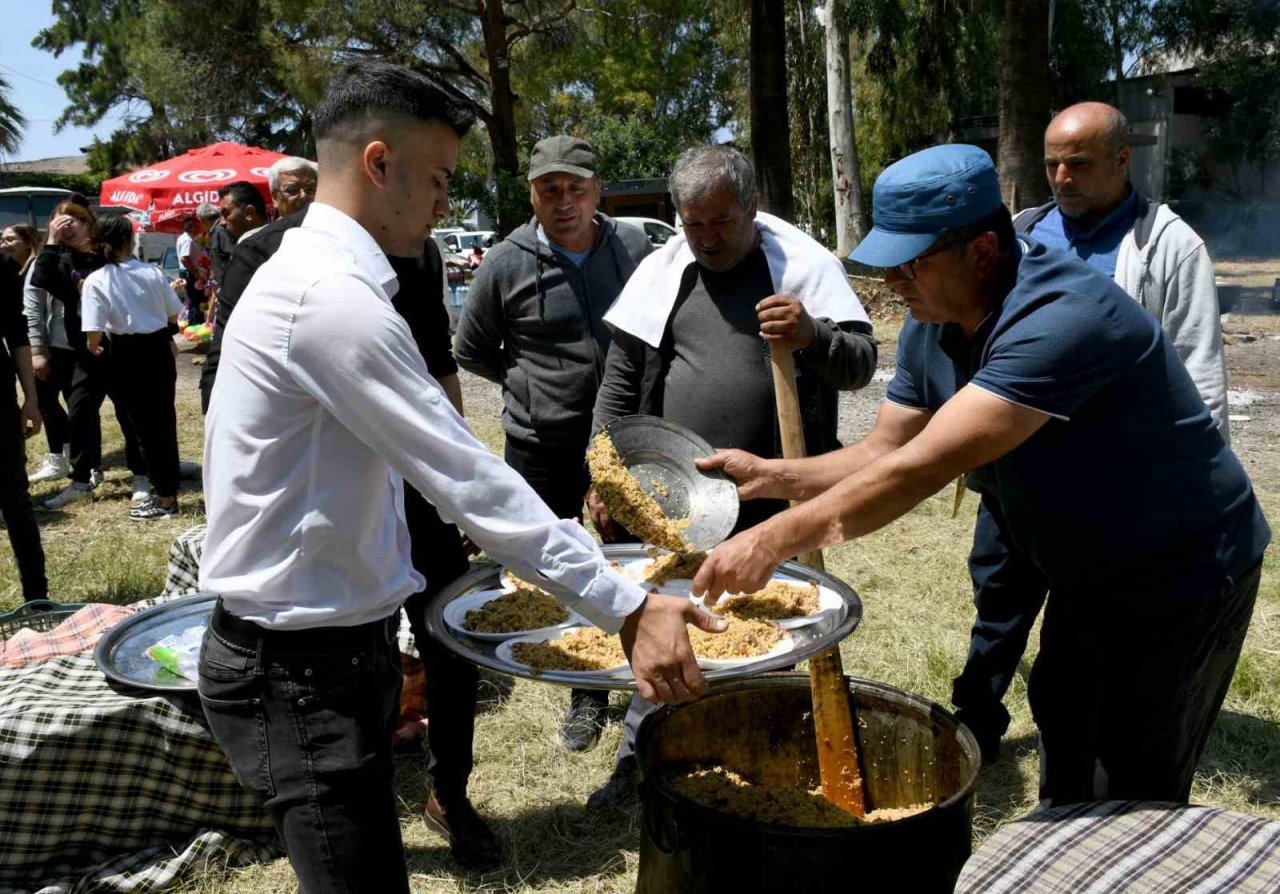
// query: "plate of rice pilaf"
[[588, 651], [742, 642], [497, 615]]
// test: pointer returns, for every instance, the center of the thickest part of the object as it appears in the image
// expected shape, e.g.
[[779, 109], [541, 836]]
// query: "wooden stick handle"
[[832, 715]]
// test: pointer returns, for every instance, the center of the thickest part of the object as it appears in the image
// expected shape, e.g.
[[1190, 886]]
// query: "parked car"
[[460, 243], [30, 205], [658, 231]]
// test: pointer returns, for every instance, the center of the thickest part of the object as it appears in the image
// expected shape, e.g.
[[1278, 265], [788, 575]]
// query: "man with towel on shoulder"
[[691, 341]]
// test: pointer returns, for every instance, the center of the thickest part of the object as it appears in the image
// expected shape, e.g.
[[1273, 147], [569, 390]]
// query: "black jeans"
[[50, 394], [438, 555], [91, 383], [1126, 686], [145, 376], [559, 476], [305, 718], [15, 501], [1008, 592]]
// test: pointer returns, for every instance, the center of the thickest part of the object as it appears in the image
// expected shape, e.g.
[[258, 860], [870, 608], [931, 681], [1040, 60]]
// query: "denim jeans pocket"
[[345, 706], [234, 711]]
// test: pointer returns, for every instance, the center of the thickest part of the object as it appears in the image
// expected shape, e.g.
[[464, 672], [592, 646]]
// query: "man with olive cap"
[[533, 323], [1036, 374]]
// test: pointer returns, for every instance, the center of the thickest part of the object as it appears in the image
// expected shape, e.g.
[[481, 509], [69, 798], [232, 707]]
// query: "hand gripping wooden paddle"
[[832, 715]]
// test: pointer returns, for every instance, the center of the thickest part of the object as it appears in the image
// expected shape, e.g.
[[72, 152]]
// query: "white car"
[[658, 231], [461, 243]]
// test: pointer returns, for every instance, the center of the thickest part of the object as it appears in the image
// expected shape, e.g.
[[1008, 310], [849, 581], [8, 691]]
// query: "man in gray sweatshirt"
[[532, 323], [1159, 260]]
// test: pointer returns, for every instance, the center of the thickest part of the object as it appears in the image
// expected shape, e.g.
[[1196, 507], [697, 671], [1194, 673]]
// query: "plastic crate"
[[40, 614]]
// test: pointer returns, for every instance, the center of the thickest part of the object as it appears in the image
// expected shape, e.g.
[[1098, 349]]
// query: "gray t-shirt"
[[719, 382]]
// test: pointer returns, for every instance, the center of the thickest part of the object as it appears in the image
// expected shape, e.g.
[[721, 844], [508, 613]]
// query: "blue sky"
[[32, 75]]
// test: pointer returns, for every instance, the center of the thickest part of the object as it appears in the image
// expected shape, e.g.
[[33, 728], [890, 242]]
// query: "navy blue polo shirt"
[[1128, 489]]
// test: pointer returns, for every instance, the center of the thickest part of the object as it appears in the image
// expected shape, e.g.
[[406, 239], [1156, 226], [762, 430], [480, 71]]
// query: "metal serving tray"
[[121, 653], [809, 640]]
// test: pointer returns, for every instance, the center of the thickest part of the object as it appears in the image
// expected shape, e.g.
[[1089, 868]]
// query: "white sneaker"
[[141, 489], [55, 466], [70, 494]]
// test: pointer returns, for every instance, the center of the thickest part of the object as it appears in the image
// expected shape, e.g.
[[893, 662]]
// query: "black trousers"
[[91, 383], [305, 718], [438, 555], [1126, 686], [50, 394], [15, 501], [1008, 592], [559, 476], [144, 374]]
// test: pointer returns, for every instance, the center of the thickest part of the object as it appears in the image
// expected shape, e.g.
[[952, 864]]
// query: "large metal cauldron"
[[912, 752]]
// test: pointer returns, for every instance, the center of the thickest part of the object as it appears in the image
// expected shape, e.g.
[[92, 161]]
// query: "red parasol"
[[171, 190]]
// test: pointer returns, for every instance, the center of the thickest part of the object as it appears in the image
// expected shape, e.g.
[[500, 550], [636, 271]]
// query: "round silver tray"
[[121, 653], [809, 640]]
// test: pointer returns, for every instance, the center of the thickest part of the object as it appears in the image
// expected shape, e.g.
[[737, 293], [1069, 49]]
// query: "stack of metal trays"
[[839, 612]]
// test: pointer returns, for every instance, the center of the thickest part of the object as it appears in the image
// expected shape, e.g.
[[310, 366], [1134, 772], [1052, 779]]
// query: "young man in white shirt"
[[323, 403]]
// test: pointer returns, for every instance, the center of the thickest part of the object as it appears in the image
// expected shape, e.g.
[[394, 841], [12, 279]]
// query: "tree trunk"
[[846, 177], [502, 125], [770, 127], [1024, 103]]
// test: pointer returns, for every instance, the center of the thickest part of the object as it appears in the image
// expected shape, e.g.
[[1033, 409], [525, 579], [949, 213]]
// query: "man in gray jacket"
[[1160, 261], [532, 323]]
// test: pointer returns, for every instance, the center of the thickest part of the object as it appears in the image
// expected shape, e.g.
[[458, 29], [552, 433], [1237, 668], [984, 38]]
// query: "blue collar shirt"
[[1099, 247]]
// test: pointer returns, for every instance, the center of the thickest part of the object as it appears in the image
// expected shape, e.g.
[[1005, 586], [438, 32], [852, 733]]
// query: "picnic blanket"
[[76, 634], [1131, 846], [113, 790]]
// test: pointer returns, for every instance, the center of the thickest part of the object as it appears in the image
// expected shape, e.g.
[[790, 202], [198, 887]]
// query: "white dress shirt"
[[129, 298], [323, 402]]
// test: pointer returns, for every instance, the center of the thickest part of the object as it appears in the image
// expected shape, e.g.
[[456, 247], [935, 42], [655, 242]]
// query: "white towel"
[[800, 266]]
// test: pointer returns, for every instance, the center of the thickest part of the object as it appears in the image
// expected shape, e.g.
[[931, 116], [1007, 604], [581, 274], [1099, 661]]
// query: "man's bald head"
[[1086, 155]]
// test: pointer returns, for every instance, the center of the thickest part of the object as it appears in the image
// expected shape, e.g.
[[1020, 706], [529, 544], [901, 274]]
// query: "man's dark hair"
[[362, 90], [999, 222], [243, 193]]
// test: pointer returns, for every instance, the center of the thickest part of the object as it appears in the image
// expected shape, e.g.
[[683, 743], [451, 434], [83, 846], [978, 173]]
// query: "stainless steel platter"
[[660, 455], [121, 653], [827, 630]]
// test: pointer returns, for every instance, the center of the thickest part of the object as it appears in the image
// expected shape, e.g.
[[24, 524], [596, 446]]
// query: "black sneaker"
[[584, 721], [151, 510], [619, 789]]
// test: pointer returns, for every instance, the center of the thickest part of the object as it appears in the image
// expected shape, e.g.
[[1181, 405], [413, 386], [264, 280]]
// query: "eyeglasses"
[[907, 271], [293, 190]]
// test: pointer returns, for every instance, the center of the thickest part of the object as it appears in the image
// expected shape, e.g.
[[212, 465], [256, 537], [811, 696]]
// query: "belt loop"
[[259, 668]]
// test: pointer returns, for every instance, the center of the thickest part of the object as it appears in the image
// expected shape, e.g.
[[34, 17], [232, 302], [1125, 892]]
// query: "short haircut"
[[208, 212], [243, 193], [114, 233], [291, 164], [362, 91], [1116, 131], [999, 222], [703, 169]]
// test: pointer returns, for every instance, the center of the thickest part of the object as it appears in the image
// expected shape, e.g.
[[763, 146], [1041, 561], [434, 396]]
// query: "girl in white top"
[[136, 307]]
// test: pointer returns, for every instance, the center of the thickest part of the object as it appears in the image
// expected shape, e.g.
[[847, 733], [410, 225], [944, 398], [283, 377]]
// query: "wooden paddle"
[[832, 715]]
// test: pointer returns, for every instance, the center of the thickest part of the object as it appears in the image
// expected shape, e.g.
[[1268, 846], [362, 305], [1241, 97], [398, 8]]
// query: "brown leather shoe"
[[472, 843]]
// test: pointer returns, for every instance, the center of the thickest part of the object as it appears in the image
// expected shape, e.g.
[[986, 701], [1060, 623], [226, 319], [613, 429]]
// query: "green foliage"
[[1234, 44], [85, 184], [11, 120]]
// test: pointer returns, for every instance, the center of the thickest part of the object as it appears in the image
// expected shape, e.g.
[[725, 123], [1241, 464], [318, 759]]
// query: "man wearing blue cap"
[[1038, 376]]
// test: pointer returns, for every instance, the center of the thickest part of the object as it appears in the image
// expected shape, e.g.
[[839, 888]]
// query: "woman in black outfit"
[[71, 254]]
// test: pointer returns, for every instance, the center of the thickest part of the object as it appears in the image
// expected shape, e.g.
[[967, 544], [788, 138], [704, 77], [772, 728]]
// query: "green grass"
[[914, 587]]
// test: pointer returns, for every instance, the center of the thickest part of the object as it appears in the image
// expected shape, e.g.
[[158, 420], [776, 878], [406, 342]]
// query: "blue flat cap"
[[918, 198]]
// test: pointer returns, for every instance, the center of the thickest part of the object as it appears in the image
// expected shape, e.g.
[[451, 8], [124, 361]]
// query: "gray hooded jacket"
[[533, 322]]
